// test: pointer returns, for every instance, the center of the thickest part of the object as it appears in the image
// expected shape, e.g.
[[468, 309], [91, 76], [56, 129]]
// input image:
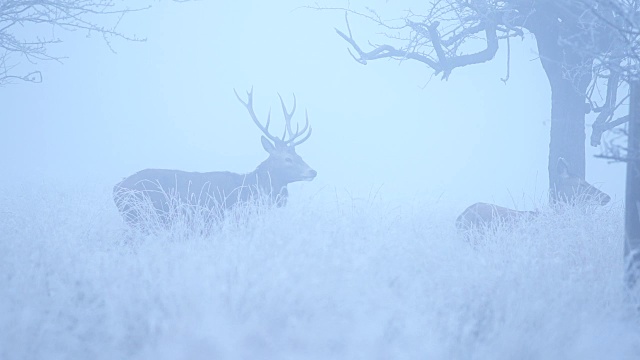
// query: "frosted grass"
[[327, 277]]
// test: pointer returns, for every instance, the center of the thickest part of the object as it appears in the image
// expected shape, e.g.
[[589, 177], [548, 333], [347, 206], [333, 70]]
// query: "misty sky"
[[385, 127]]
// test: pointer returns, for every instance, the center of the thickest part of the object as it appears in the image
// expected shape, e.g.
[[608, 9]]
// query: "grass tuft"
[[324, 277]]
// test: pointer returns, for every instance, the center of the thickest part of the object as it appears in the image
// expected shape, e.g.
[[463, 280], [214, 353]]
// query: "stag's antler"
[[287, 118], [264, 129], [288, 130]]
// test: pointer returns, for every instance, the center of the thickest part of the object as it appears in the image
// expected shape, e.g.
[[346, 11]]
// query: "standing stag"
[[483, 216], [159, 192]]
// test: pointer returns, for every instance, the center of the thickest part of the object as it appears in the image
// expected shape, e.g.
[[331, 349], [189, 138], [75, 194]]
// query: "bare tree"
[[44, 18], [632, 198], [622, 65], [615, 65], [619, 67], [574, 43]]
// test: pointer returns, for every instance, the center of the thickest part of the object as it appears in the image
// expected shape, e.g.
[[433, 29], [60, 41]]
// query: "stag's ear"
[[562, 168], [267, 145]]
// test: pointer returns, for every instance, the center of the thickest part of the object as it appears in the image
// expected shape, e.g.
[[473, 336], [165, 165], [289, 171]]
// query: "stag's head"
[[283, 162], [571, 187]]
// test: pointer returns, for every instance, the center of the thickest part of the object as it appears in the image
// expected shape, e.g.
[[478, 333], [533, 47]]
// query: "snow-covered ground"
[[327, 277]]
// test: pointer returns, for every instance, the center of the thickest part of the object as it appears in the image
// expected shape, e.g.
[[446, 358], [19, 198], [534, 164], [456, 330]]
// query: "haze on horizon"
[[386, 128]]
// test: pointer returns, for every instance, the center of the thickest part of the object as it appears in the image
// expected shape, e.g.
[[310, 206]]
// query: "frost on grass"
[[163, 212], [320, 278]]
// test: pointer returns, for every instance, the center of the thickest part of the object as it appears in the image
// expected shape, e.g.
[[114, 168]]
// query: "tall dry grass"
[[327, 277]]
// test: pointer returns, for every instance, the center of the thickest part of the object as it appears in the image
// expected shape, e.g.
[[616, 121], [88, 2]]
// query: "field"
[[327, 277]]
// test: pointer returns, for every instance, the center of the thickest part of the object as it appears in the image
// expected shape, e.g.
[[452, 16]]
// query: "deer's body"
[[481, 217], [218, 191], [162, 192]]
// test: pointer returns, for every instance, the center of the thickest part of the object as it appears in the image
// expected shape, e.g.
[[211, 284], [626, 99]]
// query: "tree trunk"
[[569, 74], [632, 198], [567, 138]]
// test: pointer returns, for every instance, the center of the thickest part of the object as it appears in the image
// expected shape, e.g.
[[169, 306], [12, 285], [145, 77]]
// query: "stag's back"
[[162, 192], [480, 216]]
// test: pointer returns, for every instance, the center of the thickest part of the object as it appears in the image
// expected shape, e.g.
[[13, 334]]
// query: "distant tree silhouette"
[[46, 17], [623, 144], [632, 197]]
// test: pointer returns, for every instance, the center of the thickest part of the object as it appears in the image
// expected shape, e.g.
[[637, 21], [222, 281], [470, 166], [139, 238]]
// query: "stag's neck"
[[265, 180]]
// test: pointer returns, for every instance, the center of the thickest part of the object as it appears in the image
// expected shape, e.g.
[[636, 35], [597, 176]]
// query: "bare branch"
[[102, 17], [435, 43], [506, 78], [616, 158], [597, 131]]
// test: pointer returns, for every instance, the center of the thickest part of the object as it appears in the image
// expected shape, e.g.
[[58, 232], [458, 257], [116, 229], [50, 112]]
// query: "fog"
[[364, 261], [387, 128]]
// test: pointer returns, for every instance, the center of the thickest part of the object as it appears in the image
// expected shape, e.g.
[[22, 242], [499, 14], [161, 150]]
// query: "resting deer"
[[161, 190], [481, 216]]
